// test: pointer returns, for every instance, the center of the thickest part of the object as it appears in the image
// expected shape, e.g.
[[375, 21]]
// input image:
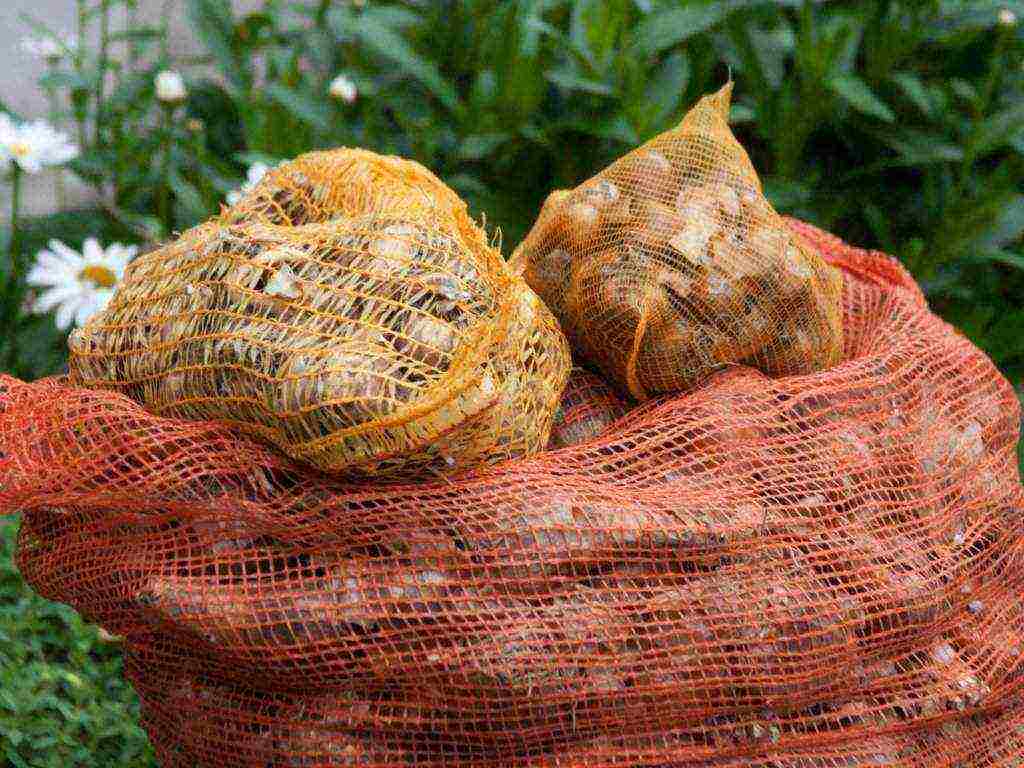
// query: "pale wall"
[[20, 71]]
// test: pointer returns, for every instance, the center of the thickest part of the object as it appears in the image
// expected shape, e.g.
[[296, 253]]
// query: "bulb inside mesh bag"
[[325, 185], [589, 406], [363, 324], [670, 263]]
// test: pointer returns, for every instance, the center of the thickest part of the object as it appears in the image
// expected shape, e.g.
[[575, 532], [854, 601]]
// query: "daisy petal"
[[91, 250], [51, 260], [68, 254], [50, 298], [66, 312], [49, 275], [117, 257], [102, 298], [89, 307]]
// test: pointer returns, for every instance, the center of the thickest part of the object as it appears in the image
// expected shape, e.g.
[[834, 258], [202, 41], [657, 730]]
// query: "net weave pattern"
[[671, 263], [347, 310], [806, 571]]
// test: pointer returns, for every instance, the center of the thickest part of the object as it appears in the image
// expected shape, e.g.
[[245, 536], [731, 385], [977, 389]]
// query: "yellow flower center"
[[98, 275], [19, 148]]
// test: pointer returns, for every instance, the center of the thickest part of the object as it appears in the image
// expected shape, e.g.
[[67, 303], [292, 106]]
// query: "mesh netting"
[[348, 311], [322, 186], [806, 571], [589, 406], [670, 263]]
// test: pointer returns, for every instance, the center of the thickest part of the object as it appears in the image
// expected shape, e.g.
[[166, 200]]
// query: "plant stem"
[[164, 203], [55, 117], [117, 130], [101, 69], [321, 13], [80, 103], [13, 289], [148, 238], [83, 11], [165, 26], [131, 21], [15, 241]]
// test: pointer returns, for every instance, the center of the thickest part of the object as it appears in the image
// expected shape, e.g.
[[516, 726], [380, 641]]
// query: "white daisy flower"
[[34, 145], [253, 177], [1007, 18], [51, 49], [170, 87], [78, 285], [344, 89]]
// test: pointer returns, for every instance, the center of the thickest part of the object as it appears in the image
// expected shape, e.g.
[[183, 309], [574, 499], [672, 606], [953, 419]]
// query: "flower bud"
[[343, 89], [170, 88]]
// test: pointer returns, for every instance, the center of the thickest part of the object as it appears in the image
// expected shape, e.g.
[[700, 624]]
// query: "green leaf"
[[563, 42], [921, 148], [1008, 224], [667, 28], [213, 23], [139, 34], [386, 43], [997, 131], [614, 127], [741, 113], [1007, 334], [974, 320], [915, 91], [665, 89], [480, 145], [15, 759], [963, 89], [188, 197], [466, 184], [311, 111], [570, 81], [1009, 258], [857, 93], [786, 194], [69, 80], [1017, 142], [393, 16]]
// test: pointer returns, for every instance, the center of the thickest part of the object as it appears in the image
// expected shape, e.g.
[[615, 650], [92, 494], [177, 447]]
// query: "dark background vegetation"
[[897, 125]]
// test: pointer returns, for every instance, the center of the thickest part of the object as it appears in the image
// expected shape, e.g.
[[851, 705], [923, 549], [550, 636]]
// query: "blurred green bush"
[[897, 125]]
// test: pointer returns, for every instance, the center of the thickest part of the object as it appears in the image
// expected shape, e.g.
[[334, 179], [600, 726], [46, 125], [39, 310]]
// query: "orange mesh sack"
[[348, 311], [589, 406], [323, 186], [808, 571], [670, 264]]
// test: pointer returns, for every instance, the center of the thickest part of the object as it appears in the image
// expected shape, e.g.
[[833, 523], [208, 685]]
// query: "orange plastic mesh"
[[589, 406], [348, 311], [321, 186], [670, 264], [806, 571]]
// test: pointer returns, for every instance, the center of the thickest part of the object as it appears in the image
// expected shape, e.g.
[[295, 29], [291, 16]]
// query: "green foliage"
[[897, 125], [63, 698]]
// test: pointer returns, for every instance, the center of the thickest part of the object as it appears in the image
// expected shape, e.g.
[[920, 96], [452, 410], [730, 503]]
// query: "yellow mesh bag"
[[670, 263], [322, 186], [358, 320]]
